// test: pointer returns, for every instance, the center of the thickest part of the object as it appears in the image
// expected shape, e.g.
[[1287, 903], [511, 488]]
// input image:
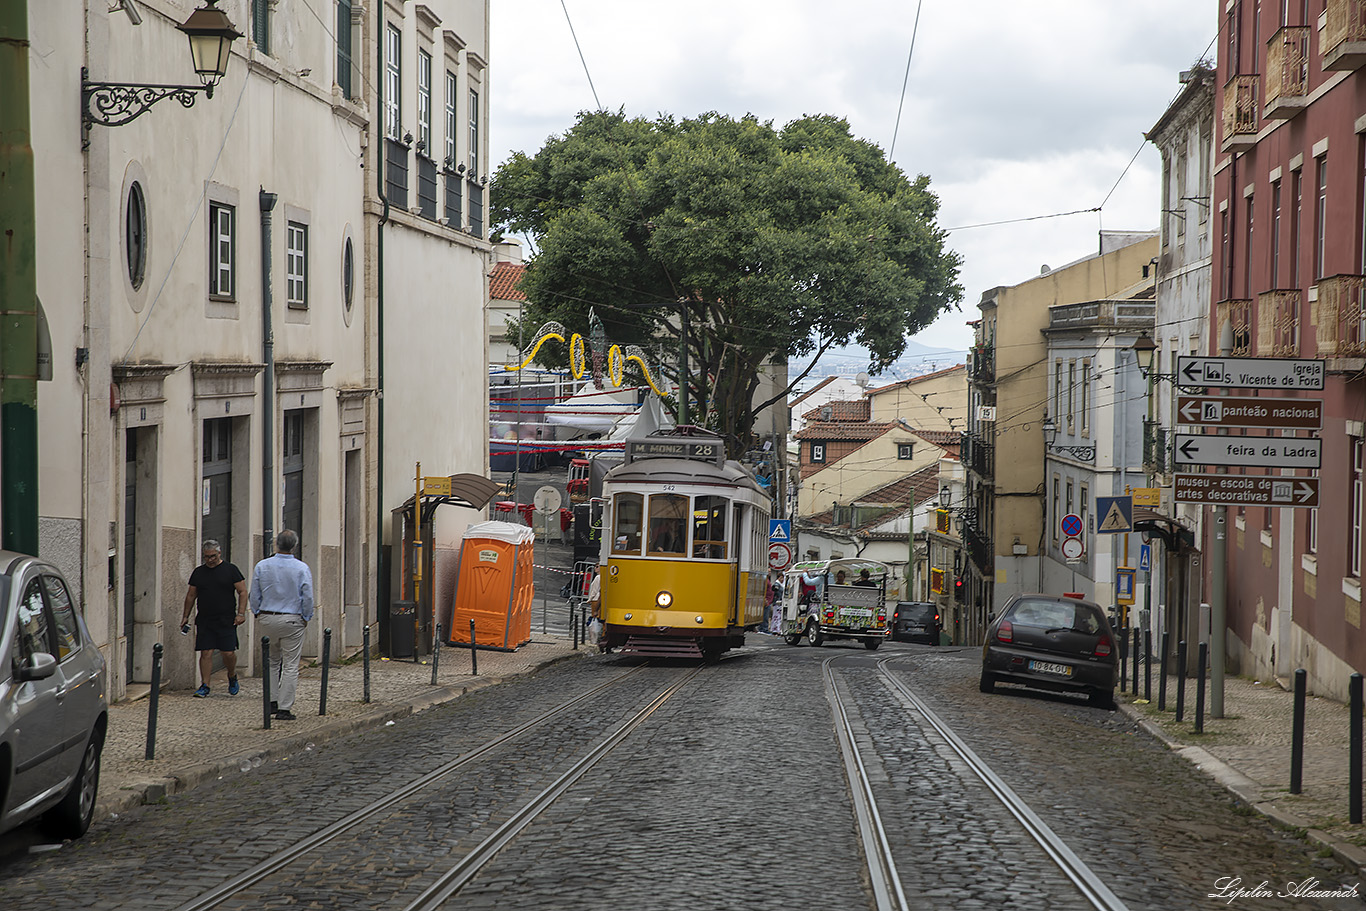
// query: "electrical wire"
[[581, 58], [891, 152]]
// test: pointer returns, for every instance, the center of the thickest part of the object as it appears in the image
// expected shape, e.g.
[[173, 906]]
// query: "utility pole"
[[18, 292], [1219, 582]]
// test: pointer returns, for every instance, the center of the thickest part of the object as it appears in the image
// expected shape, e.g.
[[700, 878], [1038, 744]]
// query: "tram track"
[[262, 872], [886, 885]]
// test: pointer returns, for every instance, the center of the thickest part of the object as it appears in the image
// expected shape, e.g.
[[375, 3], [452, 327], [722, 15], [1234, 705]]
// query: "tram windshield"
[[668, 528], [709, 528]]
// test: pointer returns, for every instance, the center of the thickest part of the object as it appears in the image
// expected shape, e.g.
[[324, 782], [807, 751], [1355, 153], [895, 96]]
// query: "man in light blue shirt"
[[282, 600]]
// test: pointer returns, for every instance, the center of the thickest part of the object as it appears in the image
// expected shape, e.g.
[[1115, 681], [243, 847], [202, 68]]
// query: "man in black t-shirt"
[[221, 590]]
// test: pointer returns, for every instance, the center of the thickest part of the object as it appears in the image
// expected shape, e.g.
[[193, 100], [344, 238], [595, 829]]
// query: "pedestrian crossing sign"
[[780, 530], [1117, 514]]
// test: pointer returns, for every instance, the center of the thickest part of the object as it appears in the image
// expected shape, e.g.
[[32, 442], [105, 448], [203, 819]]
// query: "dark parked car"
[[53, 707], [1052, 643], [915, 621]]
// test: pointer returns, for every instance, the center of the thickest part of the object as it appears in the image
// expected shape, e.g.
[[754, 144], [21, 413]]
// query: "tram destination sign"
[[699, 450], [1250, 372], [1244, 411], [1244, 490], [1254, 452]]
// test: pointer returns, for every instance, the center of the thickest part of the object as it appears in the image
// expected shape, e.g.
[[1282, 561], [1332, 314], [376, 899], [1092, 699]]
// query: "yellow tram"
[[685, 547]]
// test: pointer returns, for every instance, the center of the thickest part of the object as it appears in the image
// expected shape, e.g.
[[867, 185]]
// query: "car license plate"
[[915, 629], [1048, 667]]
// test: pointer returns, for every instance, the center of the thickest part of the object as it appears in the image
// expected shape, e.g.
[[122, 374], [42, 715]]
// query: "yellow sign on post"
[[436, 487], [1147, 496]]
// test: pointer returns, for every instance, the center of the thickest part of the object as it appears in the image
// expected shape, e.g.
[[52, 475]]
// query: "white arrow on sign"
[[1263, 452]]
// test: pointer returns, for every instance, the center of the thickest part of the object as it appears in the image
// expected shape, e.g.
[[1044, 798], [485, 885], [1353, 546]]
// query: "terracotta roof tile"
[[503, 281], [830, 430], [860, 410]]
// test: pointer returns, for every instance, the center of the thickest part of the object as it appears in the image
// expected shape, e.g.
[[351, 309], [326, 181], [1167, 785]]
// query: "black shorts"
[[211, 636]]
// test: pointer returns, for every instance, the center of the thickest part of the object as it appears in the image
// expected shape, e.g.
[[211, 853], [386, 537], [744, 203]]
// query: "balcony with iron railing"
[[978, 544], [1238, 313], [1240, 113], [1154, 447], [1287, 73], [979, 455], [1278, 323], [1344, 35], [1339, 319], [982, 364]]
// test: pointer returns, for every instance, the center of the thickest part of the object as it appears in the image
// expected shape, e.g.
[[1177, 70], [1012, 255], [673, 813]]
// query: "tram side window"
[[709, 528], [668, 528], [627, 512]]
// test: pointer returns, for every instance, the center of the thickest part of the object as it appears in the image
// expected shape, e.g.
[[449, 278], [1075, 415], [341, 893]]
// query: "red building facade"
[[1289, 210]]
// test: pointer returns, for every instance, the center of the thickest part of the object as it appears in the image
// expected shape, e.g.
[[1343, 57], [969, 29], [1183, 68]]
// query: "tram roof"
[[683, 471]]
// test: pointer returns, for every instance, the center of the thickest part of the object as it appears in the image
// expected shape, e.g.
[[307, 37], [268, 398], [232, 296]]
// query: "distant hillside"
[[917, 360]]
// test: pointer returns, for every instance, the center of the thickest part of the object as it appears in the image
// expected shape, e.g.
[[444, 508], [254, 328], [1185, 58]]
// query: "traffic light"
[[958, 590]]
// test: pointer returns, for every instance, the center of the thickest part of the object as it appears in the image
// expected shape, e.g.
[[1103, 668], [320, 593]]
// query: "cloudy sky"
[[1014, 110]]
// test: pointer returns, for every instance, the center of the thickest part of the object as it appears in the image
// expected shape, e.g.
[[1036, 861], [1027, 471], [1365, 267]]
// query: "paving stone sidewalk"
[[198, 740], [1249, 752]]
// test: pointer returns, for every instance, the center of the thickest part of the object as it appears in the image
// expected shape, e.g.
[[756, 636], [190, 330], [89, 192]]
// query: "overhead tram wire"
[[915, 29], [575, 36]]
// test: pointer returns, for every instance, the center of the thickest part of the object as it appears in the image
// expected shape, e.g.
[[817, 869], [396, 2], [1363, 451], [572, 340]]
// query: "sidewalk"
[[1248, 752], [198, 740]]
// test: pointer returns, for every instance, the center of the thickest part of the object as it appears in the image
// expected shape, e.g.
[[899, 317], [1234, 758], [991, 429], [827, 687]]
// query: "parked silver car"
[[53, 703]]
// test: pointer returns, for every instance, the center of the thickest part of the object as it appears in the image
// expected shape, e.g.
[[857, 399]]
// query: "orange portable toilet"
[[494, 587]]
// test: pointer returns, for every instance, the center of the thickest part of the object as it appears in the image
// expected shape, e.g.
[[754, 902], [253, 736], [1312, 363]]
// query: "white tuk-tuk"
[[835, 599]]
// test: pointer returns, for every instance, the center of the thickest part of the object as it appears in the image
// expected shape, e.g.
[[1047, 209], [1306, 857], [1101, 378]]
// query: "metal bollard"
[[1135, 652], [265, 680], [327, 660], [474, 652], [365, 664], [1123, 663], [1180, 679], [152, 701], [436, 652], [1354, 750], [573, 627], [1202, 656], [1162, 671], [1147, 666], [583, 626], [1297, 732]]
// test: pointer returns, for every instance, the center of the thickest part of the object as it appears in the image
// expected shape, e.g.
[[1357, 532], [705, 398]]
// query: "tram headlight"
[[664, 600]]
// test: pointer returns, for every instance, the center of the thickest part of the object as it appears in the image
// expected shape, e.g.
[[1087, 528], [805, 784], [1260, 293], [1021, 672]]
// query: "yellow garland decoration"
[[578, 358]]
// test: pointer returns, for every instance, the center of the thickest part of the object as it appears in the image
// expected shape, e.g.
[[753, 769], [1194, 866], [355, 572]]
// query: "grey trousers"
[[286, 632]]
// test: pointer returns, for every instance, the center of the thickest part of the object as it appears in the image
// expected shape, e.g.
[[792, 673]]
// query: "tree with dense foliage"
[[774, 244]]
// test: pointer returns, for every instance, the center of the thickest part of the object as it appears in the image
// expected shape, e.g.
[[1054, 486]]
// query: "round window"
[[348, 274], [135, 234]]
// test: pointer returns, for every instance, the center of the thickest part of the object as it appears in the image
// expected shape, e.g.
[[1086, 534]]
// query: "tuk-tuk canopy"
[[852, 567]]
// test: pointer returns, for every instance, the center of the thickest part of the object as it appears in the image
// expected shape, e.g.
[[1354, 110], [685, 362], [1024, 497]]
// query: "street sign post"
[[1116, 515], [779, 556], [1246, 490], [1244, 411], [1256, 452], [1250, 372]]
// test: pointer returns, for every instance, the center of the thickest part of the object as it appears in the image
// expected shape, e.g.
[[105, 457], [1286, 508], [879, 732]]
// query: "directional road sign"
[[1263, 414], [1250, 372], [1116, 515], [1244, 490], [1263, 452]]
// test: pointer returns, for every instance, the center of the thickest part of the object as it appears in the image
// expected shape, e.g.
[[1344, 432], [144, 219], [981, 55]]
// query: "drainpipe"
[[378, 165], [18, 293], [267, 201]]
